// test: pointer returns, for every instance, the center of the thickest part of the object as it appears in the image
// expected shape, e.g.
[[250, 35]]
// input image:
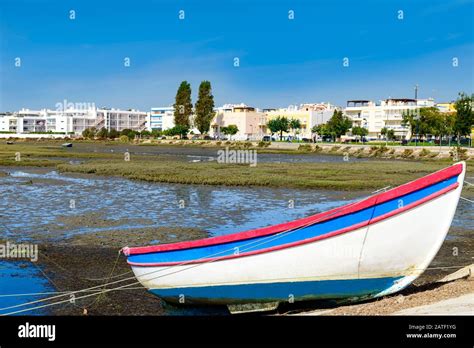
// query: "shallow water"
[[21, 277]]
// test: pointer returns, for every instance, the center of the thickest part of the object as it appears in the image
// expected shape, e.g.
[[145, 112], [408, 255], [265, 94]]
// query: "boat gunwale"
[[379, 198]]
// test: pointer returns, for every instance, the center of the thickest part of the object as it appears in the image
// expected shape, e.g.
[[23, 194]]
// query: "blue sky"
[[282, 61]]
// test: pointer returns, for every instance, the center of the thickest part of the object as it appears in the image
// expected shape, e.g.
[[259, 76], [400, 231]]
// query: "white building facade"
[[72, 121], [161, 118], [384, 114]]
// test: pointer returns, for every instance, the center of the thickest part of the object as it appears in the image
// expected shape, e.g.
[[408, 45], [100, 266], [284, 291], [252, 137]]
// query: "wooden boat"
[[371, 248]]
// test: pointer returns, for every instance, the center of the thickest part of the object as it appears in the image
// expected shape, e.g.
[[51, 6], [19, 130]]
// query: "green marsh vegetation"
[[343, 175]]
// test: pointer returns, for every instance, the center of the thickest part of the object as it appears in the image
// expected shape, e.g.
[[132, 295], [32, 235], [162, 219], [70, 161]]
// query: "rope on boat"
[[468, 200], [382, 189], [55, 292], [82, 278], [464, 198], [97, 299]]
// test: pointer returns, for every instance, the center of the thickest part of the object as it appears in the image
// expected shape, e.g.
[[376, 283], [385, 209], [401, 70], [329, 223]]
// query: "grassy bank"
[[340, 176], [343, 175]]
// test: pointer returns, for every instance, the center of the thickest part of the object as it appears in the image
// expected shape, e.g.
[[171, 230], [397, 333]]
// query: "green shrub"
[[378, 150], [424, 153], [305, 148], [458, 153], [407, 153]]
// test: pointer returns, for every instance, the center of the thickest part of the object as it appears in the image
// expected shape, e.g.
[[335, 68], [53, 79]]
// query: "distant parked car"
[[306, 140], [207, 137], [267, 138], [327, 138]]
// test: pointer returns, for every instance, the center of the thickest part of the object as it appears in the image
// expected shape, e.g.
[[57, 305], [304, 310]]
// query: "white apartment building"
[[72, 121], [250, 121], [161, 118], [386, 113]]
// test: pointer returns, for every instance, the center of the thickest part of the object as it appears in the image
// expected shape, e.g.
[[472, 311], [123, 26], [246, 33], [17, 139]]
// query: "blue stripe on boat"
[[268, 292], [310, 231]]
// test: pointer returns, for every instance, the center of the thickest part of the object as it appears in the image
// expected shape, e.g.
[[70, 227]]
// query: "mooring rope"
[[464, 198], [82, 278], [57, 292]]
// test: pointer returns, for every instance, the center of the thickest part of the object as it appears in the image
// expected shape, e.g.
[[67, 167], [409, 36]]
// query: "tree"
[[182, 131], [295, 125], [89, 133], [113, 133], [145, 134], [389, 133], [230, 130], [183, 107], [204, 108], [429, 121], [360, 131], [464, 119], [441, 124], [155, 133], [129, 133], [321, 129], [279, 124], [338, 124], [419, 120], [103, 133]]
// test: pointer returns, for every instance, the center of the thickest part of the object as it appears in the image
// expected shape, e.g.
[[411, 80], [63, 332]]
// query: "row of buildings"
[[251, 121], [71, 121]]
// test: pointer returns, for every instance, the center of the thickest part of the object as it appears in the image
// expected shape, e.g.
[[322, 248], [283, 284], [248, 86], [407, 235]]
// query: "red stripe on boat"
[[394, 193]]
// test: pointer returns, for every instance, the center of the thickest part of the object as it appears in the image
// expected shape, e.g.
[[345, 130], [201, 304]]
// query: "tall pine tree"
[[183, 107], [204, 108]]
